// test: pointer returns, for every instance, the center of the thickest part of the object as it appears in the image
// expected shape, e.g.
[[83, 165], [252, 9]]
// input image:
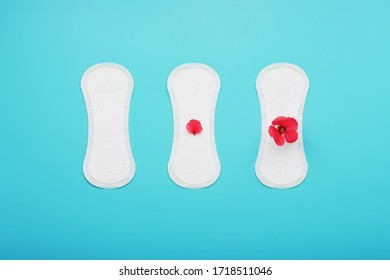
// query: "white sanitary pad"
[[193, 89], [282, 90], [107, 90]]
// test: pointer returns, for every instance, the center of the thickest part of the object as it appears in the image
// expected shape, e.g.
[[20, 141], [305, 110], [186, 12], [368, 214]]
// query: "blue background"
[[49, 211]]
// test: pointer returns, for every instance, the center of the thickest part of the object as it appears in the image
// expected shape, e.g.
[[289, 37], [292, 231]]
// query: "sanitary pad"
[[282, 90], [107, 90], [193, 89]]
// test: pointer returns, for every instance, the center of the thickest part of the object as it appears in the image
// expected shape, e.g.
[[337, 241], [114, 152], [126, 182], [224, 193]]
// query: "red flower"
[[194, 127], [284, 128]]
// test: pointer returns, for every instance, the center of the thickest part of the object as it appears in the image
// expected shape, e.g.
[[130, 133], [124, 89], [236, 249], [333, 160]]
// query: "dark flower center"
[[282, 129]]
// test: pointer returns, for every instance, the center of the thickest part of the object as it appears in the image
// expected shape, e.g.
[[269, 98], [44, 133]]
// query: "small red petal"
[[291, 124], [194, 127], [272, 130], [279, 139], [291, 136], [279, 121]]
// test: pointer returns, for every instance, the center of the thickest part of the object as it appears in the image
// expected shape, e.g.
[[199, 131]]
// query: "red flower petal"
[[291, 136], [279, 139], [279, 121], [272, 131], [194, 127], [291, 124]]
